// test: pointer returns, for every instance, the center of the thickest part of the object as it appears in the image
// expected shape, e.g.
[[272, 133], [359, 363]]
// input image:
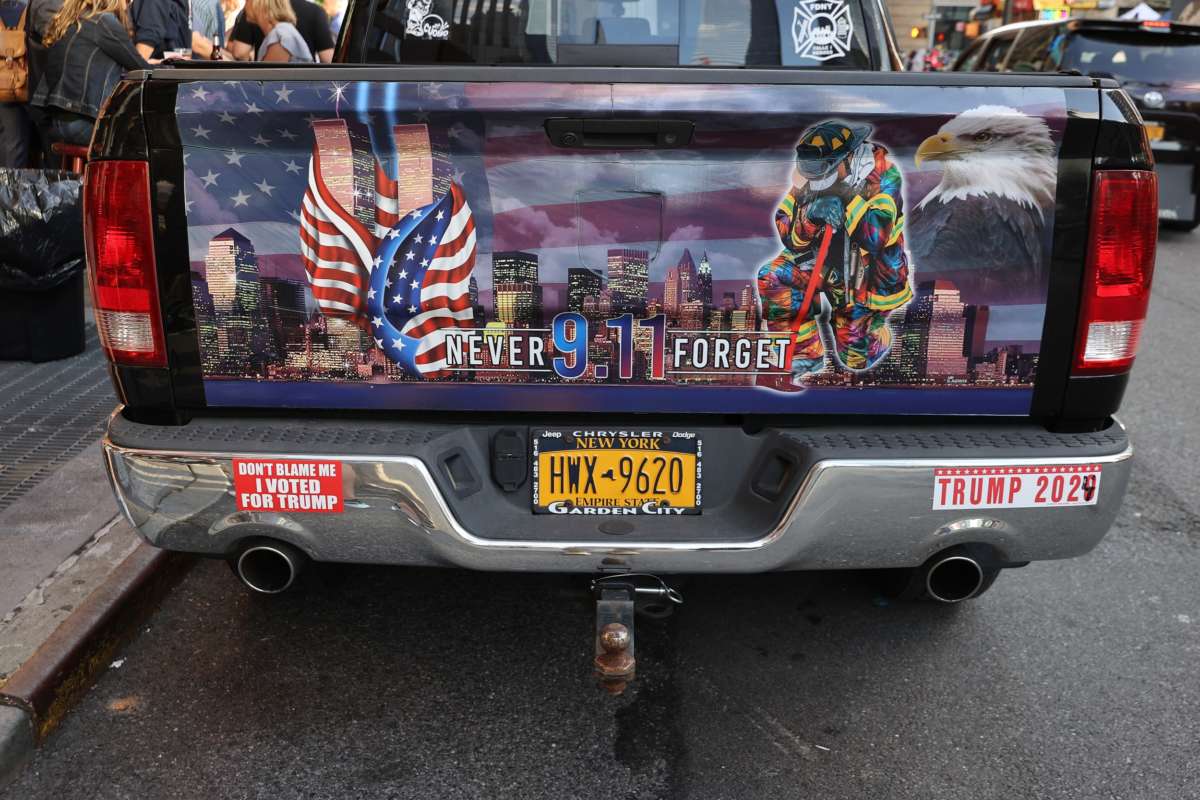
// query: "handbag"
[[14, 65]]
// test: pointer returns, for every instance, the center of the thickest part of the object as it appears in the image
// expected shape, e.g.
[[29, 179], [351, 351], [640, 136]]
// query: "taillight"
[[118, 234], [1120, 263]]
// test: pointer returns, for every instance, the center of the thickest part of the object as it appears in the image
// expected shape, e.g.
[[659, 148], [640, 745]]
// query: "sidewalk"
[[76, 581], [64, 547], [60, 532], [49, 413]]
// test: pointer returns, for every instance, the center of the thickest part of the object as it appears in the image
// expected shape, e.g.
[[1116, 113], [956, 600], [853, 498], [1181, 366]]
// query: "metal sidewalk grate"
[[48, 414]]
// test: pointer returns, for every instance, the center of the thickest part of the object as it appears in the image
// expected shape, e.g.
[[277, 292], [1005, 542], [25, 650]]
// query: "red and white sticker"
[[1016, 487], [267, 484]]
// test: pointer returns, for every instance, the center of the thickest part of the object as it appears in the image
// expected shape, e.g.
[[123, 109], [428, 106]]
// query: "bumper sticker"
[[1016, 487], [287, 485]]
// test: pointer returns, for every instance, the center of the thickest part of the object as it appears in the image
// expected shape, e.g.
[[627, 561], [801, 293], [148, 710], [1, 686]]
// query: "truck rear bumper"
[[862, 499]]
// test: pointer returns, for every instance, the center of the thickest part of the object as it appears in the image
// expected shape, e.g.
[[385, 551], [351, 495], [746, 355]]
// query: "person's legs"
[[71, 128], [14, 135]]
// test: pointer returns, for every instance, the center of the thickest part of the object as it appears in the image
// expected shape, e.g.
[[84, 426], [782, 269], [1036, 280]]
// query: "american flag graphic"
[[420, 290], [402, 274], [338, 249]]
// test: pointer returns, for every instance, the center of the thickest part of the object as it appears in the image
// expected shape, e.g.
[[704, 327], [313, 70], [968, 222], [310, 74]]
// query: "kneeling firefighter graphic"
[[841, 225]]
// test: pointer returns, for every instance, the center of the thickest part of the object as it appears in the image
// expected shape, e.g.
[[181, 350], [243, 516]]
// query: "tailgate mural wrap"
[[423, 245]]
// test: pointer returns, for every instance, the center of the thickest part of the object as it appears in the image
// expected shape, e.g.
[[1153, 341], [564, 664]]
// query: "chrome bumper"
[[847, 513]]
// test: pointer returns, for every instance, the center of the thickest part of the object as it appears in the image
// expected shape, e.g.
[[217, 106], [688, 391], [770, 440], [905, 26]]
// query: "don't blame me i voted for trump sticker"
[[268, 484]]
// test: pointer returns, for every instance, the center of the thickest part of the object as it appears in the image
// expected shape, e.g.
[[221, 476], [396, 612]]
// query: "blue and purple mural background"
[[681, 232]]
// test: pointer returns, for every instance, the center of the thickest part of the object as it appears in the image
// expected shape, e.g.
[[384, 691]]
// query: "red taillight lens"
[[118, 234], [1120, 263]]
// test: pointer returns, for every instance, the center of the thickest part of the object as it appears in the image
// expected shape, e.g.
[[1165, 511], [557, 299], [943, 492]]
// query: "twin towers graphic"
[[355, 171]]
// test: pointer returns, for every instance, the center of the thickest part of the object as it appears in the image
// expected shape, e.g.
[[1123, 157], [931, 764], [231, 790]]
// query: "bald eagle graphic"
[[988, 216]]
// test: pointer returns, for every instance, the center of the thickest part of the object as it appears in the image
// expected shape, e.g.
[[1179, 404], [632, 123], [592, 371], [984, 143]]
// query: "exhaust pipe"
[[953, 578], [269, 567]]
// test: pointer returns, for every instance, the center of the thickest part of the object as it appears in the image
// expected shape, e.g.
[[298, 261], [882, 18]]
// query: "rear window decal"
[[423, 23], [822, 29]]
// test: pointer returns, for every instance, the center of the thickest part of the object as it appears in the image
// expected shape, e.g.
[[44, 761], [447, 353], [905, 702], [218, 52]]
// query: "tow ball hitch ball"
[[615, 664], [615, 658]]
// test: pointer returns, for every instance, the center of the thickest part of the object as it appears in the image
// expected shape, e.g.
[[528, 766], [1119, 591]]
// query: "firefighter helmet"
[[826, 144]]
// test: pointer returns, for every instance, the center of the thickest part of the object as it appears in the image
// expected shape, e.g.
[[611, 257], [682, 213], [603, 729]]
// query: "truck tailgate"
[[866, 247]]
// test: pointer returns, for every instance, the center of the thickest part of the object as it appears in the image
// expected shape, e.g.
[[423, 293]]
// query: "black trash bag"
[[41, 265], [41, 229]]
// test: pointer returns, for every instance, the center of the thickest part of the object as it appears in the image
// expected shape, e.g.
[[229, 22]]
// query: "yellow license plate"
[[1154, 131], [618, 472]]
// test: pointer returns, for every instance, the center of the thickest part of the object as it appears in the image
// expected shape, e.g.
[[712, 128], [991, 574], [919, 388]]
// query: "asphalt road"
[[1074, 679]]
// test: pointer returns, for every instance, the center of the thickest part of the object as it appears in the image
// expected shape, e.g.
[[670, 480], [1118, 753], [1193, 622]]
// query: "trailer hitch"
[[617, 602]]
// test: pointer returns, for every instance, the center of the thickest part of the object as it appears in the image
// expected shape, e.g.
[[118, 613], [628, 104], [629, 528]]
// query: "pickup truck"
[[1157, 63], [627, 289]]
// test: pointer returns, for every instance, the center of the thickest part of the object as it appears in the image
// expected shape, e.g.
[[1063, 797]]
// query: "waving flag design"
[[335, 251], [338, 245], [420, 289]]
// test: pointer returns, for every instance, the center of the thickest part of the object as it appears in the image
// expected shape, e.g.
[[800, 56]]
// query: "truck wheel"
[[1183, 226]]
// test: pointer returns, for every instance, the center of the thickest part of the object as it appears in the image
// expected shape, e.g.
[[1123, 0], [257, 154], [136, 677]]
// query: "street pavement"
[[1071, 679]]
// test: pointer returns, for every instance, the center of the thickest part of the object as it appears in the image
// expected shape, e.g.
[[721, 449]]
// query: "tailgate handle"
[[619, 133]]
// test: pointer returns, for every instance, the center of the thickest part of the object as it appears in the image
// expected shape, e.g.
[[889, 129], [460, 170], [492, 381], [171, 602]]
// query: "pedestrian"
[[281, 41], [87, 49], [15, 126], [161, 28], [310, 20], [208, 29], [37, 22], [336, 11], [230, 9]]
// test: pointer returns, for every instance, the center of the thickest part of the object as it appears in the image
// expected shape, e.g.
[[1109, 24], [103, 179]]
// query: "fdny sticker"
[[1016, 487], [822, 29], [423, 23], [268, 484]]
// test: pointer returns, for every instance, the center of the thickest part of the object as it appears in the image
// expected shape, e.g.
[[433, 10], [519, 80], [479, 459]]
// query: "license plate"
[[616, 472], [1154, 131], [1016, 486]]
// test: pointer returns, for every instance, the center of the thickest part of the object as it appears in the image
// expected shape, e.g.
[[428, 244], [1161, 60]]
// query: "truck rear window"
[[1149, 58], [811, 34]]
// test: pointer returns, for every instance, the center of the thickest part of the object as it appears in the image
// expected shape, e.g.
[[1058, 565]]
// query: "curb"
[[39, 694]]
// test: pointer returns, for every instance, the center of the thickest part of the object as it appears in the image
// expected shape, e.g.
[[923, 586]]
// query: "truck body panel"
[[308, 201]]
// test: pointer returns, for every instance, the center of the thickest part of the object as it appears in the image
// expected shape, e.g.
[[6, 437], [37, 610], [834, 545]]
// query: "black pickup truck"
[[1158, 65], [620, 288]]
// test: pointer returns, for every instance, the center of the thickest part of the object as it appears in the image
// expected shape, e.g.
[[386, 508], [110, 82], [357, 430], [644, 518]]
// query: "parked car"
[[625, 288], [1157, 63]]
